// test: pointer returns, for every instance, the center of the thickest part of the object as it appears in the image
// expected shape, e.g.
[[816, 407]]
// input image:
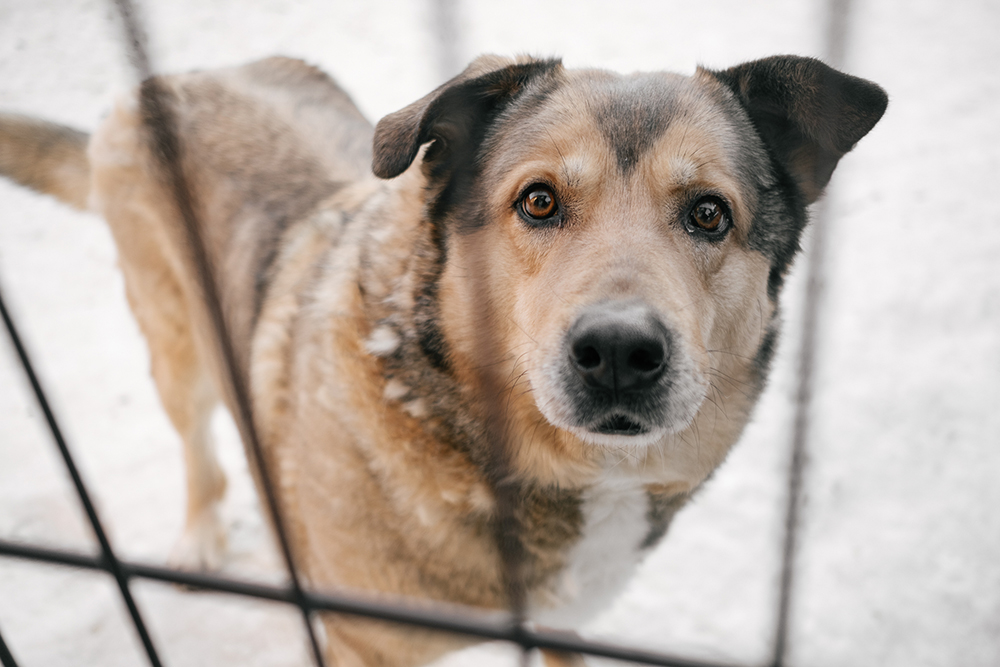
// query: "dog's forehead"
[[633, 111], [668, 127]]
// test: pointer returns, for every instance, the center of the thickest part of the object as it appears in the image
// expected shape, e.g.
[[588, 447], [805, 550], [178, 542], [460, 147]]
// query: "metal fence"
[[510, 627]]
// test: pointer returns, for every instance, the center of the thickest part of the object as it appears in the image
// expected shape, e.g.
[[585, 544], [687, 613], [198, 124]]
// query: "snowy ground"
[[900, 564]]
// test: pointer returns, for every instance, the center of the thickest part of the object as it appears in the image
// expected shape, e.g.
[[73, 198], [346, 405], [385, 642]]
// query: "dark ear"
[[809, 114], [454, 115]]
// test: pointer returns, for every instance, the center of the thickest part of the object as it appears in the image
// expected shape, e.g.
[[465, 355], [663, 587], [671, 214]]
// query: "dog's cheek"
[[476, 302], [530, 248], [743, 317], [523, 277], [541, 319]]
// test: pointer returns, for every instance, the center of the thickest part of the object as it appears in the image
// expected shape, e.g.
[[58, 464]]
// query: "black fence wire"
[[511, 627], [838, 12]]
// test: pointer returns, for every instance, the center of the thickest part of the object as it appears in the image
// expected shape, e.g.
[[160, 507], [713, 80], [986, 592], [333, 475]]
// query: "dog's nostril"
[[619, 346], [587, 357], [646, 360]]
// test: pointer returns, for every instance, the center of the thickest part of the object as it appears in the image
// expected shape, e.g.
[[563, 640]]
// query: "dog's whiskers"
[[733, 381], [733, 354]]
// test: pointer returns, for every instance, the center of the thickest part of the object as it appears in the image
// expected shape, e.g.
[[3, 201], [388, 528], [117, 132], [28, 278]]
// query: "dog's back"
[[291, 137], [317, 123]]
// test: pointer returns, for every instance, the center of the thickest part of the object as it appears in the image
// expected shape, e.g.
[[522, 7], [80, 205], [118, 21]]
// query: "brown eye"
[[708, 215], [539, 204]]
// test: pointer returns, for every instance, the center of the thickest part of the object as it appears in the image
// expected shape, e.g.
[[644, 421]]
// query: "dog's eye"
[[539, 204], [709, 216]]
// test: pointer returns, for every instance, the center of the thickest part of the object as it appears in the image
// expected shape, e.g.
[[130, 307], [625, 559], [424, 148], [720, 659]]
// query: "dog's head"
[[623, 239]]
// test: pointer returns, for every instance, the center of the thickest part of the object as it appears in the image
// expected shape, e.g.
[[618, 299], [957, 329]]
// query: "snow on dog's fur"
[[619, 241]]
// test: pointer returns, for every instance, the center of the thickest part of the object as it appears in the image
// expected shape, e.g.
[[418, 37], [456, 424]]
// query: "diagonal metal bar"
[[6, 657], [161, 122], [437, 616], [113, 565], [835, 47]]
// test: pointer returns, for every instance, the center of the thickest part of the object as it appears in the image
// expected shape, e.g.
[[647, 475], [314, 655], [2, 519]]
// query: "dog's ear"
[[808, 113], [455, 115]]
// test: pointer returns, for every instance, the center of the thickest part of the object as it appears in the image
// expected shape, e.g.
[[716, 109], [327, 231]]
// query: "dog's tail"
[[46, 157]]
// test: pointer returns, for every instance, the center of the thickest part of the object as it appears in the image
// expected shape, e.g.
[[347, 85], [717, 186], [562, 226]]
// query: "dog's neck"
[[401, 261]]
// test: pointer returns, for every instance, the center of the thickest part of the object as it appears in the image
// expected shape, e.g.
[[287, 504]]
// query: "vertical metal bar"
[[444, 26], [835, 37], [6, 657], [161, 122], [112, 562], [838, 17]]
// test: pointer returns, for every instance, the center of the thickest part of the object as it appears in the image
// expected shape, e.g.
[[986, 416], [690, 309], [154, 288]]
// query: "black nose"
[[620, 346]]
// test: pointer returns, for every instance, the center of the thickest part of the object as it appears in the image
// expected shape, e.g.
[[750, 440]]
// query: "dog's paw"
[[202, 546]]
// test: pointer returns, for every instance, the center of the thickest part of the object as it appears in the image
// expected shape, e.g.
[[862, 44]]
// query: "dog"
[[597, 258]]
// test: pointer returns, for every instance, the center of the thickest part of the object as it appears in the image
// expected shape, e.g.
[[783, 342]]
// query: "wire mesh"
[[167, 146]]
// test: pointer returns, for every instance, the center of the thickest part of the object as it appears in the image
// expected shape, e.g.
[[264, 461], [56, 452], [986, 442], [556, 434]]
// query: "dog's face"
[[623, 211], [624, 238]]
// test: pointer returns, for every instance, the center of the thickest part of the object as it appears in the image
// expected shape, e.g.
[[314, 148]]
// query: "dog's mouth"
[[620, 425]]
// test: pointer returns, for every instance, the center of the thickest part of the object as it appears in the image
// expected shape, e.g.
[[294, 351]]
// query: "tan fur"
[[46, 157], [324, 271]]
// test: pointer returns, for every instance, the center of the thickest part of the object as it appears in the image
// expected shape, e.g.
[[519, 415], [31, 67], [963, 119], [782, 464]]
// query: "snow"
[[900, 558]]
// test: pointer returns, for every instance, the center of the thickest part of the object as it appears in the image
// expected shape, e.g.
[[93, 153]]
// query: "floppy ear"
[[808, 113], [455, 115]]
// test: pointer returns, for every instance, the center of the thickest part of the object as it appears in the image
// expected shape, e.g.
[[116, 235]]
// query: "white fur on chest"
[[600, 565]]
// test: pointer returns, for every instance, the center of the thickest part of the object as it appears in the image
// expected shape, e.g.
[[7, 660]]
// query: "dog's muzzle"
[[619, 355]]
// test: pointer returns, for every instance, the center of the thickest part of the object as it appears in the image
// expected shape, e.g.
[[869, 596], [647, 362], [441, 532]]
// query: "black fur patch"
[[777, 229], [765, 352], [455, 116], [426, 312], [808, 113]]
